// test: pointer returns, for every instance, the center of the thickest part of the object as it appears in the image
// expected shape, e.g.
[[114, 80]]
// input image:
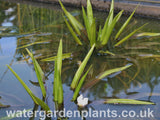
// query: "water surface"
[[40, 29]]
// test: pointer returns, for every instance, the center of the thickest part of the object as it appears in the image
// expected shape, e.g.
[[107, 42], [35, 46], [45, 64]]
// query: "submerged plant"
[[102, 36], [3, 106]]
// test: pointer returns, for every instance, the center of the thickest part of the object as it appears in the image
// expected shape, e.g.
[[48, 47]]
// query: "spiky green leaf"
[[76, 92], [89, 12], [58, 90], [148, 34], [86, 22], [107, 23], [125, 24], [81, 69], [78, 41], [39, 73], [34, 98], [108, 72], [74, 22], [64, 56], [128, 36], [127, 101], [93, 33], [111, 27]]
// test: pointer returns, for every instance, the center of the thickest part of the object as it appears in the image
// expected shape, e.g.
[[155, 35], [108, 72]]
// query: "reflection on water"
[[40, 30]]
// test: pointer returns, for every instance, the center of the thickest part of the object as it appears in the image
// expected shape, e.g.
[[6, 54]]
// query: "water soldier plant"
[[84, 74], [40, 77], [106, 38], [102, 36], [77, 83]]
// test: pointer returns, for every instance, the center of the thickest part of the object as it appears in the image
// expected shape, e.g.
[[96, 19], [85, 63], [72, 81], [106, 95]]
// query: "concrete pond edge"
[[142, 10]]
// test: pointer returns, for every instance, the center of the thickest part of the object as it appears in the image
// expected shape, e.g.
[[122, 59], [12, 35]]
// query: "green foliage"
[[75, 24], [148, 34], [64, 56], [128, 36], [124, 25], [72, 32], [104, 74], [127, 101], [34, 98], [76, 92], [108, 72], [90, 23], [101, 37], [77, 82], [39, 73], [57, 88], [33, 43], [81, 69]]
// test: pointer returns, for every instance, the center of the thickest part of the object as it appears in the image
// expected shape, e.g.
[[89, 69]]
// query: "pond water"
[[40, 29]]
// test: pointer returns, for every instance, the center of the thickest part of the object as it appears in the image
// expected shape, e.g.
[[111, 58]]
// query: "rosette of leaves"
[[102, 36]]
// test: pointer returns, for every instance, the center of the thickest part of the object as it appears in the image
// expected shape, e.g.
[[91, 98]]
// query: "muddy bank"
[[143, 10]]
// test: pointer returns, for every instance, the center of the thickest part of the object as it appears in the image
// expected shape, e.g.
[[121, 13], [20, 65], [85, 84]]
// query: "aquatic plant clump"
[[91, 76], [76, 84], [101, 36]]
